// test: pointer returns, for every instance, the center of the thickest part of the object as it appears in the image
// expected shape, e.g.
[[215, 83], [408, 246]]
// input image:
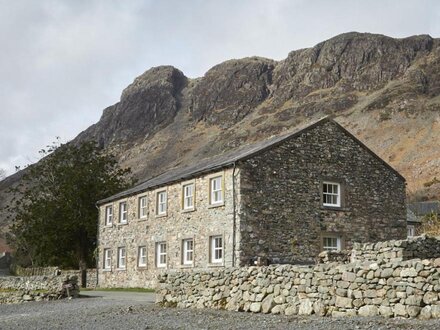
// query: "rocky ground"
[[123, 313]]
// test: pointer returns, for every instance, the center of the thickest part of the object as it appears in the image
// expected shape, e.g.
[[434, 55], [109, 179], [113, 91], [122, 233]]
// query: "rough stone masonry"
[[397, 288]]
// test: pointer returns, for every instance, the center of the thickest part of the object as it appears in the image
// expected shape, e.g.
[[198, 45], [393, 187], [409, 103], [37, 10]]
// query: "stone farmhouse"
[[285, 199]]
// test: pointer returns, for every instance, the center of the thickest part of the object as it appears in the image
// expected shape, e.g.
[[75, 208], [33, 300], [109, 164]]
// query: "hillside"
[[385, 91]]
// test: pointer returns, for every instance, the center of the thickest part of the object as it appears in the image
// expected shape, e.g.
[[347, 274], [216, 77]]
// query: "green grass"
[[8, 290], [119, 289]]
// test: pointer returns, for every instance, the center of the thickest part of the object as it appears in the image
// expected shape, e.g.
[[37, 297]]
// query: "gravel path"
[[98, 313]]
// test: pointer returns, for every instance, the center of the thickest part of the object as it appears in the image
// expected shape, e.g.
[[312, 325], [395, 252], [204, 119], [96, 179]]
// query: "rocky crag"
[[385, 91]]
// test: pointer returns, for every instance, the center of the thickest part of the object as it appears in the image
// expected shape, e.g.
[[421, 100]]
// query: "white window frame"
[[331, 194], [411, 230], [123, 212], [216, 190], [122, 257], [161, 254], [188, 199], [188, 251], [216, 251], [161, 202], [107, 263], [109, 215], [142, 256], [327, 247], [143, 208]]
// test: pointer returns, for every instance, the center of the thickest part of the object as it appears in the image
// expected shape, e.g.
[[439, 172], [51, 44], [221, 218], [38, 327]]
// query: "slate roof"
[[226, 160]]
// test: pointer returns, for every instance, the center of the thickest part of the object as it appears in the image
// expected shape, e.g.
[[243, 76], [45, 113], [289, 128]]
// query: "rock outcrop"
[[385, 90]]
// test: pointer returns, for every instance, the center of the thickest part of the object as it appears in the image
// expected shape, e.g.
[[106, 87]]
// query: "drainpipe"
[[97, 247], [234, 217]]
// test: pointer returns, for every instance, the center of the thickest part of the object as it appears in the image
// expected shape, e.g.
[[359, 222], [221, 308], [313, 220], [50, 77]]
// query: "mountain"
[[386, 91]]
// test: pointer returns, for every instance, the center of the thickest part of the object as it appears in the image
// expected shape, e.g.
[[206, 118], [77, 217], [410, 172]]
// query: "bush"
[[430, 224]]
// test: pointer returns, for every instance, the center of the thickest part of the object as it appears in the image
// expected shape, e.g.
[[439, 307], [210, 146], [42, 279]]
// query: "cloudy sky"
[[63, 62]]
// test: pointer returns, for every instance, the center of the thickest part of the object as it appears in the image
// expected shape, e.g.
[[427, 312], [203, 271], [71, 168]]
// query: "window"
[[108, 215], [121, 258], [331, 243], [188, 196], [188, 251], [123, 212], [142, 256], [161, 254], [331, 194], [411, 231], [216, 249], [161, 202], [216, 193], [143, 207], [107, 259]]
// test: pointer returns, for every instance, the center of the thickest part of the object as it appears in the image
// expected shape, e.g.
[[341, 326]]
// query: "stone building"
[[285, 199]]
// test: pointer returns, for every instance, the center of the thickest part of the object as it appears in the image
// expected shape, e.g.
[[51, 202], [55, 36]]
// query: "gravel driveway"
[[125, 311]]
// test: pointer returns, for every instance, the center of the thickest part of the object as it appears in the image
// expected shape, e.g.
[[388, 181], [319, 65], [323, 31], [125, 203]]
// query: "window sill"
[[121, 269], [333, 208], [163, 215], [107, 270], [211, 206], [142, 267], [143, 219], [186, 266], [188, 210], [161, 267], [216, 264], [122, 224], [108, 226]]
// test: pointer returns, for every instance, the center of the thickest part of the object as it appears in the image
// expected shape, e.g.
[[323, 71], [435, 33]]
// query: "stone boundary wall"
[[49, 283], [34, 271], [55, 271], [422, 247], [391, 289], [15, 289]]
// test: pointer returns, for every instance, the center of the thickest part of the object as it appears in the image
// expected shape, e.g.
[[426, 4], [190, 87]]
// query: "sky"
[[62, 62]]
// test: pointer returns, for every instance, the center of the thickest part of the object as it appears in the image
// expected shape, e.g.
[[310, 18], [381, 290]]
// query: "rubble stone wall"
[[52, 271], [14, 289], [282, 213], [383, 285], [423, 247], [198, 224]]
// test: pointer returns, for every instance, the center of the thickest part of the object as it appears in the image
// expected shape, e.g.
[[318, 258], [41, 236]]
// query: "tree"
[[54, 214]]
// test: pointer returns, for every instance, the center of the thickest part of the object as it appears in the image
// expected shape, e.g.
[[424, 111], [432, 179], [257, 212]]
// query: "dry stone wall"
[[390, 287], [423, 247], [91, 273], [14, 289]]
